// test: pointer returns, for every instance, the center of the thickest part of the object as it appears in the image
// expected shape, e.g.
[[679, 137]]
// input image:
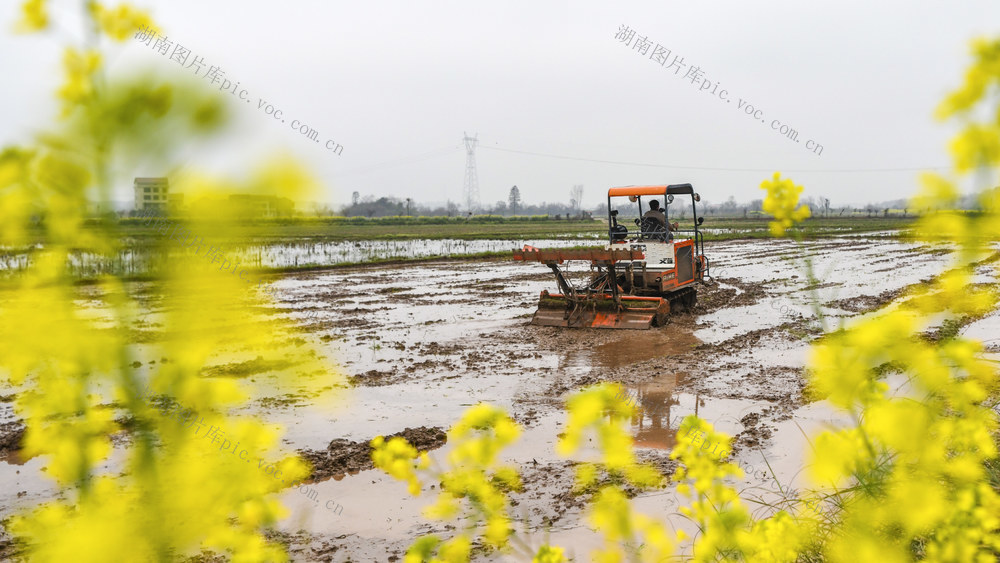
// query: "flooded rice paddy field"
[[421, 343], [142, 260]]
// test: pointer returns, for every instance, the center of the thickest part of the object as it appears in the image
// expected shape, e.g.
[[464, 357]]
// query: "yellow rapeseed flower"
[[549, 554], [395, 457], [984, 72], [78, 86], [976, 146], [782, 197], [34, 16], [122, 22], [455, 550]]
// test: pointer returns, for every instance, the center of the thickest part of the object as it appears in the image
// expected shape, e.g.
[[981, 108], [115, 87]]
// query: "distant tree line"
[[387, 206]]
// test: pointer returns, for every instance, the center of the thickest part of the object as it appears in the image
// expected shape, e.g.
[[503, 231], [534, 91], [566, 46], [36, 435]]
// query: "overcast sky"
[[399, 82]]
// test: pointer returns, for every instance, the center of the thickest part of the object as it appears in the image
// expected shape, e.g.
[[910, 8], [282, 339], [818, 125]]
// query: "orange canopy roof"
[[637, 190]]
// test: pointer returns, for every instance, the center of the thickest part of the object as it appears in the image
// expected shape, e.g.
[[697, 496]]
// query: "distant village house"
[[151, 193]]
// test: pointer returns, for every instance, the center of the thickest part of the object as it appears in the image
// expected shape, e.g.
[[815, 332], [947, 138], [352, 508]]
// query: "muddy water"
[[424, 342], [631, 347]]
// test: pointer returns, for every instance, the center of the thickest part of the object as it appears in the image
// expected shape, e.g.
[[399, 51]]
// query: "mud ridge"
[[345, 456]]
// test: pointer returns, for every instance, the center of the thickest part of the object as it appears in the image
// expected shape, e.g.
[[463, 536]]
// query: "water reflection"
[[659, 410]]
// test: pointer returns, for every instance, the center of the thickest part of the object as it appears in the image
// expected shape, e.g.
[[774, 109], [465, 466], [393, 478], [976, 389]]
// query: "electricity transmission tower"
[[470, 189]]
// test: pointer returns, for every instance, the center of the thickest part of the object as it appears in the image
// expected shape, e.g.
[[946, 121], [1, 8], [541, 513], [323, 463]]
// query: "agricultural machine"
[[639, 277]]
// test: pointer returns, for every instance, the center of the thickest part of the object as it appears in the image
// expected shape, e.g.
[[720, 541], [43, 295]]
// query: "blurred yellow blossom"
[[977, 145], [34, 16], [73, 355], [725, 523], [122, 22], [473, 486], [983, 74], [395, 458], [912, 472], [80, 67], [601, 410], [782, 197], [549, 554]]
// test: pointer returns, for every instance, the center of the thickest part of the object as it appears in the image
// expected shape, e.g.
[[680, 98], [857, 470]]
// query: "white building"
[[151, 193]]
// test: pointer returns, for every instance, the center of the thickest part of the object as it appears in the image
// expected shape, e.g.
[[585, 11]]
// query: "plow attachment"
[[601, 303], [600, 311]]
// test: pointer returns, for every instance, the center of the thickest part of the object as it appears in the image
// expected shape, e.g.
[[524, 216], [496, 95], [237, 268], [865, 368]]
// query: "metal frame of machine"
[[639, 276]]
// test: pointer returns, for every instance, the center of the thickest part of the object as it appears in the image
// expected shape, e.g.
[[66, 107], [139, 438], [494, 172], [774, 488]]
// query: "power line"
[[715, 169], [389, 163]]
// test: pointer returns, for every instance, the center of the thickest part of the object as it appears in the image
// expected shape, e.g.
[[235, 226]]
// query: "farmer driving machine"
[[639, 277]]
